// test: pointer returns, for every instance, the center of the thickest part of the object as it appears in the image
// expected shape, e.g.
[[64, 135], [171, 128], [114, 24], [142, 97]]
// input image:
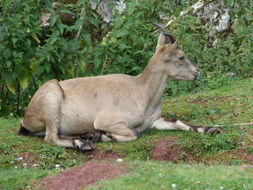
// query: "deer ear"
[[162, 39], [174, 45], [165, 37]]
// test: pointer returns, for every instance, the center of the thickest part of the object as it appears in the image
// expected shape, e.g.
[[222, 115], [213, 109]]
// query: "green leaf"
[[6, 53], [67, 12], [24, 82], [35, 37], [53, 20], [80, 2], [120, 33], [87, 38], [11, 86]]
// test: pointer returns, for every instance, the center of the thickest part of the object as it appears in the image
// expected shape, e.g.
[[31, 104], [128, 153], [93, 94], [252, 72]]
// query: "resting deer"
[[118, 105]]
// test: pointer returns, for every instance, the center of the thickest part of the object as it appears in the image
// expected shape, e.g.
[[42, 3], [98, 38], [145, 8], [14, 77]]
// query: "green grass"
[[161, 175], [225, 105], [12, 179]]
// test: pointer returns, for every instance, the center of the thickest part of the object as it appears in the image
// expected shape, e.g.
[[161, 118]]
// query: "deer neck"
[[152, 83]]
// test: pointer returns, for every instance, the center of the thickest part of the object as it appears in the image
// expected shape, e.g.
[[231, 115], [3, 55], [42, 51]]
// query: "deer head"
[[172, 59]]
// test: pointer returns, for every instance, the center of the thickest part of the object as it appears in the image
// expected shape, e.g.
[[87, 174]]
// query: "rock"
[[45, 19], [230, 74], [215, 16], [106, 8], [119, 160], [174, 186], [19, 158]]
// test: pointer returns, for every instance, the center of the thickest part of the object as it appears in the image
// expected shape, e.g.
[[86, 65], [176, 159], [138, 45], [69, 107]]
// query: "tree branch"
[[192, 9]]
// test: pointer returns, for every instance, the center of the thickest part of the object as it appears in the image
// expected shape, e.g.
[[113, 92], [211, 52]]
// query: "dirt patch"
[[249, 158], [245, 166], [83, 176], [242, 154], [227, 157], [104, 155], [166, 150]]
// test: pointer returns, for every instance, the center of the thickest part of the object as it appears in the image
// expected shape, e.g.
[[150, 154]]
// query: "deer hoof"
[[212, 130], [82, 145]]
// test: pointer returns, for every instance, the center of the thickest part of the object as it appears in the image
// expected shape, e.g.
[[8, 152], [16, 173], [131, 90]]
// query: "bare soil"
[[83, 176], [103, 155], [166, 150], [250, 158], [245, 166]]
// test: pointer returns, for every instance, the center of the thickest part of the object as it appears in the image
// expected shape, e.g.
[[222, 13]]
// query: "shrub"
[[32, 54]]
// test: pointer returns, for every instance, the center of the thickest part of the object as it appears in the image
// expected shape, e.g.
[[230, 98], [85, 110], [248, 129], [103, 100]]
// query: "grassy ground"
[[161, 175], [24, 160]]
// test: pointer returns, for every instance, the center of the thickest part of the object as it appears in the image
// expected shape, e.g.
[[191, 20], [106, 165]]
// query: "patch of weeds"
[[234, 162], [50, 155], [6, 160], [214, 81], [250, 150], [53, 151], [190, 111], [199, 112], [197, 145], [5, 147], [220, 142]]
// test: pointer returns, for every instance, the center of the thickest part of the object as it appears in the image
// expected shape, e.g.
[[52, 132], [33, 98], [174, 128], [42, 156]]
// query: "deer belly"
[[74, 123]]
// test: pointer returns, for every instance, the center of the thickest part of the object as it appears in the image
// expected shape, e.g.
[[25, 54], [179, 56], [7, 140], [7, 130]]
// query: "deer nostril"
[[197, 70]]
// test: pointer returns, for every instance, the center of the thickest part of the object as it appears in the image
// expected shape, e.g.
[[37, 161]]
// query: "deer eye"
[[181, 58]]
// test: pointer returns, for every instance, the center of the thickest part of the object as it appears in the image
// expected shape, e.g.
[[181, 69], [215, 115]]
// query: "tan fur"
[[118, 104]]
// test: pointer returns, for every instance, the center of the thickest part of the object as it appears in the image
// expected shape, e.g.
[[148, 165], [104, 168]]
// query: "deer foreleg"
[[176, 124]]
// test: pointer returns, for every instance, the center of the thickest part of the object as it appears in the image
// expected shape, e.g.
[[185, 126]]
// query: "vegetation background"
[[78, 42], [44, 39]]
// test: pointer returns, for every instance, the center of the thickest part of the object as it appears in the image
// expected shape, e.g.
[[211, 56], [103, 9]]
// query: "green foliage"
[[23, 178], [197, 145], [32, 54]]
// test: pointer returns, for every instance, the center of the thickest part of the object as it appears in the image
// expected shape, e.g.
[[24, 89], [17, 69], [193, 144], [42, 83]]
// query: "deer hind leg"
[[44, 113], [52, 136], [176, 124], [117, 132]]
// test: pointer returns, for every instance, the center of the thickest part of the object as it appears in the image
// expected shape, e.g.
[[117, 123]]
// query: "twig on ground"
[[236, 124]]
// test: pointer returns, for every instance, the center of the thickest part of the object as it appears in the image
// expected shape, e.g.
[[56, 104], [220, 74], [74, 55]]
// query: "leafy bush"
[[32, 54]]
